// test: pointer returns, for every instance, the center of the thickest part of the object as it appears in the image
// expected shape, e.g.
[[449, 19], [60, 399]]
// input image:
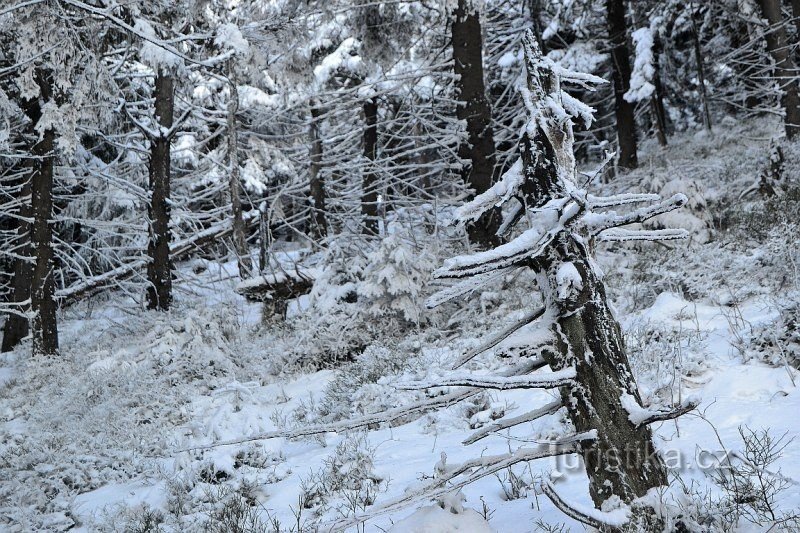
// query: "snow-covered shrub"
[[663, 357], [394, 278], [347, 473], [355, 390], [778, 343], [331, 330]]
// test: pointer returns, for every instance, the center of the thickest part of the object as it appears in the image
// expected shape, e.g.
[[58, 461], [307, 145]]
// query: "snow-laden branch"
[[499, 193], [528, 245], [498, 337], [619, 235], [506, 423], [621, 199], [463, 287], [598, 222], [544, 381], [642, 416], [478, 468], [368, 420], [587, 515]]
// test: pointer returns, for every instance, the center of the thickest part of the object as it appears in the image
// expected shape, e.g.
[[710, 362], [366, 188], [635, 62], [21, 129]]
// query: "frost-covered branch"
[[478, 468], [587, 515], [598, 222], [498, 337], [463, 287], [620, 235], [530, 244], [530, 416], [545, 381], [377, 418]]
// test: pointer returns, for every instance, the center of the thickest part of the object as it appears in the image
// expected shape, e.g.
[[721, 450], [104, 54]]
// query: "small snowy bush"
[[394, 278]]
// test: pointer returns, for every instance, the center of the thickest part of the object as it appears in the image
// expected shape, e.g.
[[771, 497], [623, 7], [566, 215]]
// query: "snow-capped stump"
[[275, 289]]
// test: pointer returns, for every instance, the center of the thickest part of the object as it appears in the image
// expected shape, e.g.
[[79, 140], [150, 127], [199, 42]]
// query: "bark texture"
[[785, 70], [657, 100], [319, 223], [474, 108], [369, 185], [244, 262], [33, 270], [621, 461], [16, 326], [159, 269], [621, 72]]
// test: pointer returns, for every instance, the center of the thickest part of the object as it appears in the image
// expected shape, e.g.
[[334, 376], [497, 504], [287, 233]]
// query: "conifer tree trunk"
[[657, 100], [369, 191], [589, 339], [785, 71], [701, 71], [159, 269], [244, 262], [16, 326], [621, 69], [319, 223], [43, 305], [475, 109]]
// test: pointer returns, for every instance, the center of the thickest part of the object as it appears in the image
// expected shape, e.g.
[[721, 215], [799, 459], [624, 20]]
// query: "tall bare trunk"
[[369, 191], [319, 222], [621, 68], [159, 269], [785, 71], [16, 326], [43, 305], [701, 71], [239, 238], [657, 100], [475, 109]]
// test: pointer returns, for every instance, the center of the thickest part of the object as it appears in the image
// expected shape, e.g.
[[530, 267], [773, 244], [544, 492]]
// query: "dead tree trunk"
[[239, 238], [785, 71], [475, 109], [369, 185], [159, 269], [587, 348], [621, 69], [319, 223]]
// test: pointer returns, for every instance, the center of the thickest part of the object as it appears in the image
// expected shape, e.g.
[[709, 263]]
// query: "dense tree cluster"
[[135, 135]]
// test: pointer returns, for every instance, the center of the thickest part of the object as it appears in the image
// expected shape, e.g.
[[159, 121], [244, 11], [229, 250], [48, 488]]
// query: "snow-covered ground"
[[105, 436]]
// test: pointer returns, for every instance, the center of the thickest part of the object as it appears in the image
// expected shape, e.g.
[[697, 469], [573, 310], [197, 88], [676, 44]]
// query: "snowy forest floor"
[[91, 439]]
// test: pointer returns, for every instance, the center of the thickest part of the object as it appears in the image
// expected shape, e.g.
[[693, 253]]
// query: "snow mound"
[[434, 519]]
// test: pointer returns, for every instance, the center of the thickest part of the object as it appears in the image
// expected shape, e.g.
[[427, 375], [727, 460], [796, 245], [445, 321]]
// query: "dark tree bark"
[[701, 71], [369, 185], [657, 100], [796, 17], [621, 461], [319, 223], [239, 237], [785, 71], [43, 305], [159, 269], [535, 10], [33, 271], [16, 326], [621, 69], [475, 109]]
